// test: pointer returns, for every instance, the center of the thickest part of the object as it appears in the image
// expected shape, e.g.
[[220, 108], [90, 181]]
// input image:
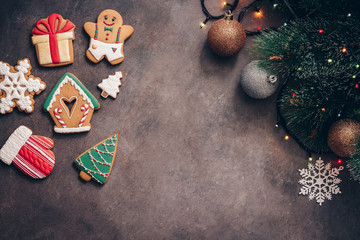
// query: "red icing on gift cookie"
[[53, 37]]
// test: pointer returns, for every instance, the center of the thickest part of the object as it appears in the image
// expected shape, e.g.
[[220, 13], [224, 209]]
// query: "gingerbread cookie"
[[29, 153], [77, 119], [111, 86], [107, 37], [96, 162], [53, 38], [18, 87]]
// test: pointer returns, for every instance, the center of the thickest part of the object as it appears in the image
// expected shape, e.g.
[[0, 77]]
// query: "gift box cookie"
[[53, 38]]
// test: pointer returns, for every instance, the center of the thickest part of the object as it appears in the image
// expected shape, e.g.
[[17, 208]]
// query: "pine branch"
[[325, 69]]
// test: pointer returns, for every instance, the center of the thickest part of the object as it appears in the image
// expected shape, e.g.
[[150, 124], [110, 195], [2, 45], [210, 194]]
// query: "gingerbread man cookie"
[[107, 37]]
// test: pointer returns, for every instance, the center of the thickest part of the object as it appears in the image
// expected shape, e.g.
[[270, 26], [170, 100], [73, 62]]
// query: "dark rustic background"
[[197, 158]]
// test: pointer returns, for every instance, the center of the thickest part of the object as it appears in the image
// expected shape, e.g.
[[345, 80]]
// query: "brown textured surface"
[[197, 159]]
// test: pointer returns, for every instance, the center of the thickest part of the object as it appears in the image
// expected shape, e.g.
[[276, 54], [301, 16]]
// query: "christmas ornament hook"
[[272, 79], [229, 15]]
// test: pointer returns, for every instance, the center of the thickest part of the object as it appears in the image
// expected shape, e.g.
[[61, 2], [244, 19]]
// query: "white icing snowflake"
[[18, 88], [320, 181], [111, 84]]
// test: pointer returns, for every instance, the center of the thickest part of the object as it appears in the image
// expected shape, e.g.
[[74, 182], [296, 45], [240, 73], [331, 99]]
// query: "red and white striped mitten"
[[29, 153]]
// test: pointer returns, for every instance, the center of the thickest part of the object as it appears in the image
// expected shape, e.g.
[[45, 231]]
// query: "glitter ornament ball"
[[342, 137], [257, 83], [226, 36]]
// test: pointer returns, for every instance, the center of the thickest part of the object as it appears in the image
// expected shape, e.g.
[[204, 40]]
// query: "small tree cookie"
[[111, 85], [107, 37], [96, 162]]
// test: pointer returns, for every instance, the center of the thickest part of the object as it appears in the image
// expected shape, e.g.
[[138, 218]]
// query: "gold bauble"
[[342, 137], [226, 37]]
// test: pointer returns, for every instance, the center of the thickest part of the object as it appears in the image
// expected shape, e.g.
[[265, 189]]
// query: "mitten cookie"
[[29, 153], [77, 118], [96, 162], [53, 38], [111, 86], [107, 37]]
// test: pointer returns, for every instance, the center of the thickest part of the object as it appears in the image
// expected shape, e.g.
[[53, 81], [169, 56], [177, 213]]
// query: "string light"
[[349, 14], [286, 137], [321, 31], [339, 161], [203, 24], [258, 13], [258, 28], [357, 85], [227, 4], [354, 76], [213, 17], [329, 60], [275, 5], [309, 157], [357, 65], [232, 7], [344, 50], [323, 109]]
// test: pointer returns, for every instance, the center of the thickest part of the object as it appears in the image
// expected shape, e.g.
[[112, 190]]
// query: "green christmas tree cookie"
[[96, 162]]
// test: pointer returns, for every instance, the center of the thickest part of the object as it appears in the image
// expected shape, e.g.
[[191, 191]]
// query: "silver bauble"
[[257, 83]]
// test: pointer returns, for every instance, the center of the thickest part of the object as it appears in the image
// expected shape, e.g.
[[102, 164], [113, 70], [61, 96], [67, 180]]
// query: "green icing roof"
[[52, 96]]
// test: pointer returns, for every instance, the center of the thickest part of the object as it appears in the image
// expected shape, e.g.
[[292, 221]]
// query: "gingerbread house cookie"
[[69, 90]]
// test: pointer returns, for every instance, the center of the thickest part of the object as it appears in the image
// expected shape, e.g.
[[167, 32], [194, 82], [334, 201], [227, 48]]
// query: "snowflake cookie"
[[18, 87], [320, 181]]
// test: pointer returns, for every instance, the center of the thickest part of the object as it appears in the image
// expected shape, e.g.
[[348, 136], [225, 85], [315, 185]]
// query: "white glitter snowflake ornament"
[[320, 181], [18, 87]]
